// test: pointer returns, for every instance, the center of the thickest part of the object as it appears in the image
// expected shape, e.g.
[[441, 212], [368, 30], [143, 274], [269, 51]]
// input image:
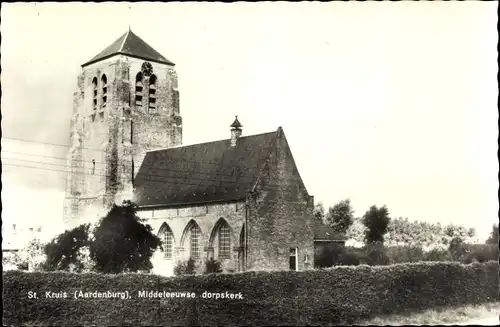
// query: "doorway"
[[293, 259]]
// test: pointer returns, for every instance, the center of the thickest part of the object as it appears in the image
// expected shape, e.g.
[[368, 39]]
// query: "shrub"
[[348, 258], [339, 295], [402, 254], [185, 268], [62, 252], [480, 253], [376, 254], [438, 255], [212, 266], [327, 254]]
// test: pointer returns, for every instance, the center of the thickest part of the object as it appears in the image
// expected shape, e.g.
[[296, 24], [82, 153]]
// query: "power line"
[[51, 157], [104, 169], [146, 177], [45, 143], [101, 150], [128, 161]]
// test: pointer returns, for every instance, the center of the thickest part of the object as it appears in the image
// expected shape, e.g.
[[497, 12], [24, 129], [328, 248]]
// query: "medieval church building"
[[240, 200]]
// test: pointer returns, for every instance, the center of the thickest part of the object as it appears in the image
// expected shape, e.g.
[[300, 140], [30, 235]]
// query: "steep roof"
[[325, 233], [201, 173], [131, 45]]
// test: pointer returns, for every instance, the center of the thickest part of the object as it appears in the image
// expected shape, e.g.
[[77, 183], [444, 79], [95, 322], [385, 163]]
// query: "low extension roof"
[[325, 233], [201, 173], [131, 45]]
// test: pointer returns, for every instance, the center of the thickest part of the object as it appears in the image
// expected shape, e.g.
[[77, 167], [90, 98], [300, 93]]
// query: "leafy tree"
[[376, 221], [212, 266], [341, 216], [319, 211], [457, 248], [122, 242], [493, 239], [63, 252], [356, 232]]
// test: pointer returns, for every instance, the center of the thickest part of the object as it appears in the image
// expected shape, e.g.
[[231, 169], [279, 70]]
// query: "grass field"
[[485, 314]]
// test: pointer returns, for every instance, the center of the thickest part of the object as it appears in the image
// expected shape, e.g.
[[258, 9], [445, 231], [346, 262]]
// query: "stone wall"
[[110, 137], [206, 216], [280, 215]]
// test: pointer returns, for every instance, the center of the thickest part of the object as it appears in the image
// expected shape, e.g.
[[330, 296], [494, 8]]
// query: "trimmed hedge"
[[336, 295]]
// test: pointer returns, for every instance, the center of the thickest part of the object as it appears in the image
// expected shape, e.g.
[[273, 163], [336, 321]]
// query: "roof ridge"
[[120, 49], [130, 44], [266, 158], [209, 142]]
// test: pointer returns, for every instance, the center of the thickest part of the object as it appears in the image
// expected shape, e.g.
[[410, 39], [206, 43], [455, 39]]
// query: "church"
[[240, 200]]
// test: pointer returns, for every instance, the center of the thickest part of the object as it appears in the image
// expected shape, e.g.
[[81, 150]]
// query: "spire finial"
[[236, 124]]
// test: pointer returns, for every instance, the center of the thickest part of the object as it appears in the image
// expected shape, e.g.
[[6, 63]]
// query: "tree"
[[33, 255], [376, 221], [64, 251], [493, 239], [122, 242], [457, 248], [319, 211], [340, 217]]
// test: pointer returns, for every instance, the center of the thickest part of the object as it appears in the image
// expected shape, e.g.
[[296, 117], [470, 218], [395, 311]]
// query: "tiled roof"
[[131, 45], [325, 233], [201, 173]]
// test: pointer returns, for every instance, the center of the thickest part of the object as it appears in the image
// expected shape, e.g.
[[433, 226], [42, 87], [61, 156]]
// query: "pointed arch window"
[[94, 90], [167, 238], [194, 238], [220, 240], [104, 83], [152, 94], [224, 241], [139, 88]]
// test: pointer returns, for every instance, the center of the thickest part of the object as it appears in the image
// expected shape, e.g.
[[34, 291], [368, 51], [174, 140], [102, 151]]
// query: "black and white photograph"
[[249, 163]]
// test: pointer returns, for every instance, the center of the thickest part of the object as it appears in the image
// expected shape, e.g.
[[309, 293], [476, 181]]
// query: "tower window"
[[94, 99], [152, 94], [104, 82], [138, 89]]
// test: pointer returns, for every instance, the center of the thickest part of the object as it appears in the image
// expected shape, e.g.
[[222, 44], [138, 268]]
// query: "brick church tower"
[[126, 104]]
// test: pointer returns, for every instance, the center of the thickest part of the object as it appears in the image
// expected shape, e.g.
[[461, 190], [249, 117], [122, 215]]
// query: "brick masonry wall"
[[206, 216], [279, 215], [104, 135]]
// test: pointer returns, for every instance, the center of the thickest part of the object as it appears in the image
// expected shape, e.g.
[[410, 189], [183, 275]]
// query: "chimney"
[[235, 131]]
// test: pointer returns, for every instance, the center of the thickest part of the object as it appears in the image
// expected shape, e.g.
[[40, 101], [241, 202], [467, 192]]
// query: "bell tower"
[[126, 103]]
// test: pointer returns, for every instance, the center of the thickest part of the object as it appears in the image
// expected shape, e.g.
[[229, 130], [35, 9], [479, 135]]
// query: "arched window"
[[167, 238], [194, 240], [152, 94], [94, 90], [220, 240], [138, 89], [104, 82], [224, 241], [191, 239]]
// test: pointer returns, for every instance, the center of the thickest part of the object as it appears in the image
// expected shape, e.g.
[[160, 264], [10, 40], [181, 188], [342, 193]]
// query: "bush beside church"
[[316, 297]]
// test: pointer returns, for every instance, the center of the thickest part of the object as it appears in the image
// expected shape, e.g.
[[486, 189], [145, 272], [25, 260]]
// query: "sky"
[[389, 103]]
